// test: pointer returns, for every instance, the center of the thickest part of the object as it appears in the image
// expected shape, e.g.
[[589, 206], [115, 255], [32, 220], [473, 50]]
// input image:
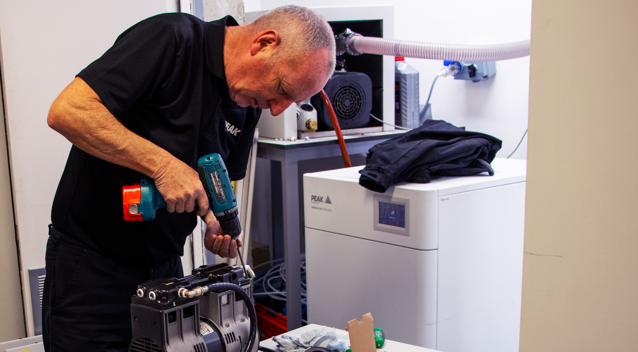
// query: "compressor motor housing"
[[351, 96], [163, 321]]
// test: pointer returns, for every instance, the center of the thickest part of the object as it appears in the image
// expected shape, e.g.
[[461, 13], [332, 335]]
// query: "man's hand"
[[181, 188], [217, 242]]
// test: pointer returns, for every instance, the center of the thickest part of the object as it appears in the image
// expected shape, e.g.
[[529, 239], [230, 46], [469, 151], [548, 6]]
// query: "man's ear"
[[266, 41]]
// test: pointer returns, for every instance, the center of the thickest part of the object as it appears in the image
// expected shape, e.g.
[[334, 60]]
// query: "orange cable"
[[335, 123]]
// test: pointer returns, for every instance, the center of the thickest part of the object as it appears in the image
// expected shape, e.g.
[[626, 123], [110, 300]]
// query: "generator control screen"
[[392, 214]]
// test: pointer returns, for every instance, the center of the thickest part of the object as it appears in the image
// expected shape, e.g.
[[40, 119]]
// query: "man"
[[170, 90]]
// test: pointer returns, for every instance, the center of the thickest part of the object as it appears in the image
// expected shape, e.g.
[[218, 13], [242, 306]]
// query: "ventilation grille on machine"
[[200, 347], [145, 345], [230, 338], [348, 101], [351, 96]]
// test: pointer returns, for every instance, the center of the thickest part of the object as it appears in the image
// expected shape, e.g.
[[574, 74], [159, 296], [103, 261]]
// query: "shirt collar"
[[214, 34]]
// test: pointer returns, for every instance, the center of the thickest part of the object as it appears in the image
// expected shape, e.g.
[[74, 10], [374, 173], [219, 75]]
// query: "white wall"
[[44, 45], [12, 322], [215, 9], [498, 107]]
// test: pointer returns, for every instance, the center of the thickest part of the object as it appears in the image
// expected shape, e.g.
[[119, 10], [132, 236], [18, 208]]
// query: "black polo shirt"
[[164, 80]]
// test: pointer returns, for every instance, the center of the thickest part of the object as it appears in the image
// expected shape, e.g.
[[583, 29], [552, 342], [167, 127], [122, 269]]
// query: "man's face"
[[277, 87]]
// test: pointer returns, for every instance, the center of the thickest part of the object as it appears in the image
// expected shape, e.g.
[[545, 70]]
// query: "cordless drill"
[[141, 200]]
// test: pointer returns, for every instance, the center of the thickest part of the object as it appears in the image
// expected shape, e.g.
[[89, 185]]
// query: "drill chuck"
[[229, 222]]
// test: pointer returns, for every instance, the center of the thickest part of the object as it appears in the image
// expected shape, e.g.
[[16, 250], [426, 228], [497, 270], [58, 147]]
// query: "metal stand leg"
[[289, 182]]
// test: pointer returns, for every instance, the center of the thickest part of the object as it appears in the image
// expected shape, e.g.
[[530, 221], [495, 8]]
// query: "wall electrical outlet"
[[476, 71]]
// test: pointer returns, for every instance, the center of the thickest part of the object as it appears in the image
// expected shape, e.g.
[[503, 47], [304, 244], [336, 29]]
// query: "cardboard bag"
[[362, 334]]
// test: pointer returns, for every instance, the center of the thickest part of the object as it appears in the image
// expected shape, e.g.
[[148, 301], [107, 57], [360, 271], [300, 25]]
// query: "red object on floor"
[[269, 322]]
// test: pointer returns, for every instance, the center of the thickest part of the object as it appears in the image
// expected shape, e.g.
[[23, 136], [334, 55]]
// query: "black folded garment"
[[434, 149]]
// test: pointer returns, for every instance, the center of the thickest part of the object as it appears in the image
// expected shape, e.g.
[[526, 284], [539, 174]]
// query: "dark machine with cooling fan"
[[351, 97], [208, 311]]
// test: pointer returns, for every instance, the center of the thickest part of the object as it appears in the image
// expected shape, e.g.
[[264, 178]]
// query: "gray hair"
[[302, 31]]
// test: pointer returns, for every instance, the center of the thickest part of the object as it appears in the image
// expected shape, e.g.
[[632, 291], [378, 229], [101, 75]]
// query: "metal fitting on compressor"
[[196, 292], [345, 43], [249, 272]]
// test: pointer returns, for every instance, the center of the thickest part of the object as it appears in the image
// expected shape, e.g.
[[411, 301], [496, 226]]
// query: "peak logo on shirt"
[[232, 129]]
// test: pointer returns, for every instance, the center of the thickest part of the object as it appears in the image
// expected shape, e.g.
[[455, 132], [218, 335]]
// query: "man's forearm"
[[79, 115]]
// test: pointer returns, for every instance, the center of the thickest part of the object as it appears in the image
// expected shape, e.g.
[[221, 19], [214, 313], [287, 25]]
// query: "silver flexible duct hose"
[[358, 44]]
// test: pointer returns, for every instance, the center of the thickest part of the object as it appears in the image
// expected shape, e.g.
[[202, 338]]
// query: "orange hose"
[[335, 123]]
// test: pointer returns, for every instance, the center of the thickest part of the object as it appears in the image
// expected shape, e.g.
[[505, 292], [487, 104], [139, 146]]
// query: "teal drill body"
[[221, 198]]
